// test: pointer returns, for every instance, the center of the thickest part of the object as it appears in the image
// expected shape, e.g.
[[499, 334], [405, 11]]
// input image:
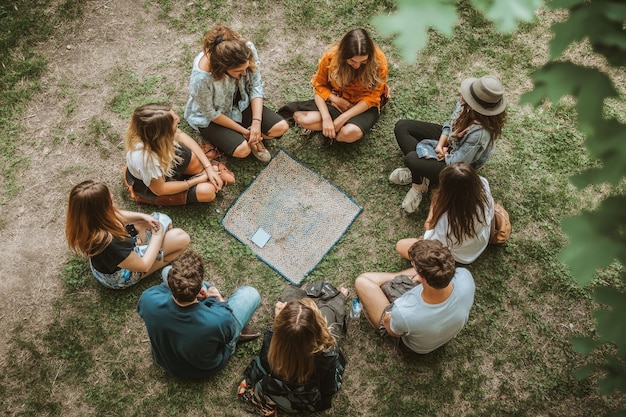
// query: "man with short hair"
[[193, 328], [432, 312]]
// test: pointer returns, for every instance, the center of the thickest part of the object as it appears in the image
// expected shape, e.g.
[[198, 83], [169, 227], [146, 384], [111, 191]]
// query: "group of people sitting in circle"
[[193, 327]]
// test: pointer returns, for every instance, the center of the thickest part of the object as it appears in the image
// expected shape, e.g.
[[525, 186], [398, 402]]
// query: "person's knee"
[[242, 151], [362, 284], [400, 127], [179, 237], [206, 192], [298, 117], [349, 133], [278, 129], [251, 294]]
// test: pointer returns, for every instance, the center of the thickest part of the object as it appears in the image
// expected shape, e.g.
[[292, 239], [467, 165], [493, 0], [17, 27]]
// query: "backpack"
[[500, 225]]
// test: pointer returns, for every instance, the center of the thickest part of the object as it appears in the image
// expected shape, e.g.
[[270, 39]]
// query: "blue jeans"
[[244, 301]]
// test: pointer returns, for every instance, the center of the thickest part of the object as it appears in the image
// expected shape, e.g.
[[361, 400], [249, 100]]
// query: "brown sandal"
[[225, 174], [209, 150]]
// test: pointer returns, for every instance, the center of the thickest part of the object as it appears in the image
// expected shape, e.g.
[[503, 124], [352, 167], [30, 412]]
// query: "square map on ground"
[[303, 213]]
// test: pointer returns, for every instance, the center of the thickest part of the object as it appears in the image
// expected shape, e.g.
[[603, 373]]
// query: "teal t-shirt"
[[188, 342]]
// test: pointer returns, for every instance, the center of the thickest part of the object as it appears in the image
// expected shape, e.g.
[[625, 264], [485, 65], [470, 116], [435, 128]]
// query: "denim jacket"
[[472, 147], [208, 98]]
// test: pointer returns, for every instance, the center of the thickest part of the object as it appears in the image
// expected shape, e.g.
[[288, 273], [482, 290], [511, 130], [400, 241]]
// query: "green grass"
[[514, 357]]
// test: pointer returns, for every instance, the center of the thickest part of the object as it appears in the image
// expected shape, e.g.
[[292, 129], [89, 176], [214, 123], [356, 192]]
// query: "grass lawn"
[[514, 357]]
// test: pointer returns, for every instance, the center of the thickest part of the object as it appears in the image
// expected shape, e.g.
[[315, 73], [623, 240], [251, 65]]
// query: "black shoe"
[[327, 142], [248, 334]]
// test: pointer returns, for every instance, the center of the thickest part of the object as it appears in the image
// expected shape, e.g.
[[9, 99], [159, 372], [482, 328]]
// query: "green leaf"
[[588, 85], [583, 372], [411, 23], [583, 345], [607, 143], [564, 4], [506, 14], [582, 257]]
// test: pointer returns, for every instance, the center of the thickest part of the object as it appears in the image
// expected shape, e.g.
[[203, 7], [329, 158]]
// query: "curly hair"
[[357, 42], [433, 261], [462, 195], [152, 125], [226, 49], [300, 331], [92, 219], [185, 277]]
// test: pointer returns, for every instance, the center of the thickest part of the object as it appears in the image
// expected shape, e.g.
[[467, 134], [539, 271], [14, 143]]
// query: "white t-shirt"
[[471, 248], [142, 165], [425, 327]]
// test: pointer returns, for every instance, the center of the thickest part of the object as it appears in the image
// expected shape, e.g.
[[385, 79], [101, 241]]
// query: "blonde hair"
[[300, 331], [92, 219], [226, 49], [357, 42], [152, 125]]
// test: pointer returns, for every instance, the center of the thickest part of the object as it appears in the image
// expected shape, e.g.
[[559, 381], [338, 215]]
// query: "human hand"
[[339, 122], [203, 294], [328, 129], [278, 307], [255, 133], [342, 104], [214, 177], [441, 152], [214, 292]]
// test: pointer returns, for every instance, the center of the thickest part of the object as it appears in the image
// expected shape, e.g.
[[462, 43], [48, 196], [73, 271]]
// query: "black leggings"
[[408, 134]]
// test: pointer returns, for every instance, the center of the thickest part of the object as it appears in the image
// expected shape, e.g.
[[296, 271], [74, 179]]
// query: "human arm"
[[144, 263], [328, 127], [127, 217], [428, 224], [255, 127], [469, 146], [355, 110], [387, 324], [212, 176]]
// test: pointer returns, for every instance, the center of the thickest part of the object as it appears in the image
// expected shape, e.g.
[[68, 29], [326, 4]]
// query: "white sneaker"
[[413, 198], [263, 156], [401, 176]]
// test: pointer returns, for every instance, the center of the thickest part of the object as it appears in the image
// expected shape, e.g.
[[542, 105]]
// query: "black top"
[[108, 260]]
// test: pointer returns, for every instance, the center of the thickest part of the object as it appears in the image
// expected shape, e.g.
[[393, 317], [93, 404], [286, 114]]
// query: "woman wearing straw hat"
[[468, 136]]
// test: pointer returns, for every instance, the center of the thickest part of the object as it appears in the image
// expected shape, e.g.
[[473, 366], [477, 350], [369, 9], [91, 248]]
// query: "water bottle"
[[355, 311]]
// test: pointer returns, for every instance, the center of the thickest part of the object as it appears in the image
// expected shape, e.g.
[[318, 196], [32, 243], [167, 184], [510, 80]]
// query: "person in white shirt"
[[460, 216], [430, 314]]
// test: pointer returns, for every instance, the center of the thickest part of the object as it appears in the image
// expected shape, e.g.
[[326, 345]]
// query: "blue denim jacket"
[[472, 148], [208, 98]]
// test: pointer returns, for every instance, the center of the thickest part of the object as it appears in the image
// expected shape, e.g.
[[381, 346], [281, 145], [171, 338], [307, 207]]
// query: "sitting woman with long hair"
[[123, 247], [469, 136], [350, 88], [461, 212], [164, 165], [300, 366], [226, 98]]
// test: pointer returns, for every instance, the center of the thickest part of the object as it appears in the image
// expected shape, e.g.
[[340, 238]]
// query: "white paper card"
[[261, 237]]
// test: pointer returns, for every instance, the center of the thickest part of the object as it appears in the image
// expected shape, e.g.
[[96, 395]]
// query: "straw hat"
[[485, 95]]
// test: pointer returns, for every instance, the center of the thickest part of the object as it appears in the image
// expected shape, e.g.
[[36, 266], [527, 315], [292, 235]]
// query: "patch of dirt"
[[33, 245]]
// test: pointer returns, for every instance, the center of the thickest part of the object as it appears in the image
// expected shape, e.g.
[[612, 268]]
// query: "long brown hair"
[[468, 116], [462, 196], [152, 125], [355, 43], [226, 49], [92, 220], [300, 331]]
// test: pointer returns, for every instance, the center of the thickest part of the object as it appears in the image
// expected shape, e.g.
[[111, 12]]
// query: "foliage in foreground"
[[597, 237]]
